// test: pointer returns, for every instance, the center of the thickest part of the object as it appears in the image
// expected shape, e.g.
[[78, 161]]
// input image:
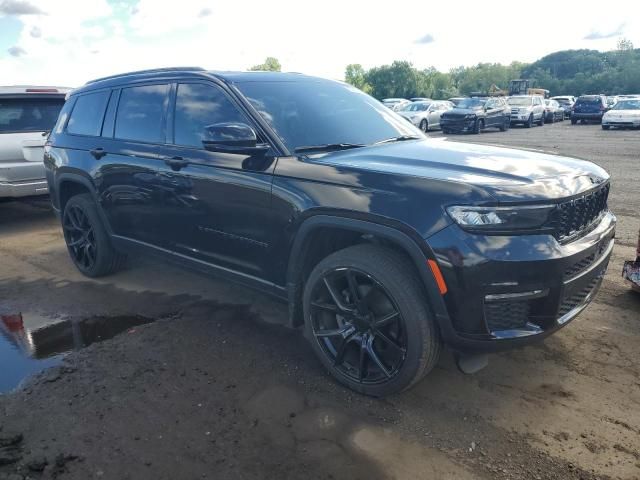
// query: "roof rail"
[[153, 70]]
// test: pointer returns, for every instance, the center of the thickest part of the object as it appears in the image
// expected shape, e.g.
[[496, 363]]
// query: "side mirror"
[[232, 138]]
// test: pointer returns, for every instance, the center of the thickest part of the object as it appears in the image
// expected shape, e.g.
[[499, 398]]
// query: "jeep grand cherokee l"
[[26, 115], [385, 244]]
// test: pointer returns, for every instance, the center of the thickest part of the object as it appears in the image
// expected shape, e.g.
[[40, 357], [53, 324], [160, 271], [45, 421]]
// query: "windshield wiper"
[[328, 147], [401, 138]]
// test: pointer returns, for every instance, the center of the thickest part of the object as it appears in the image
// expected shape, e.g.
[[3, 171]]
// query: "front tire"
[[574, 121], [478, 127], [541, 121], [605, 127], [368, 322], [87, 240], [529, 123], [424, 125]]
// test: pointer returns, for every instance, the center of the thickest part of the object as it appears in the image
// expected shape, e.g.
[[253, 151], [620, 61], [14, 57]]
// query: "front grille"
[[514, 111], [506, 315], [578, 298], [573, 217], [580, 266]]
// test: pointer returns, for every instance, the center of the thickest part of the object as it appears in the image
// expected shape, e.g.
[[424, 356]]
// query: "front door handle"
[[176, 163], [98, 153]]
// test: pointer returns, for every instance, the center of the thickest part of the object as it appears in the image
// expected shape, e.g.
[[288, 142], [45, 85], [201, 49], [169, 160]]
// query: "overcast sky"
[[67, 42]]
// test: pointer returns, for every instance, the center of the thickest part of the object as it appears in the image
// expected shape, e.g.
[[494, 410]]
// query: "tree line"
[[567, 72]]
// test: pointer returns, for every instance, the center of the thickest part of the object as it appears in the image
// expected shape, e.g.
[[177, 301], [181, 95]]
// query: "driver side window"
[[197, 106]]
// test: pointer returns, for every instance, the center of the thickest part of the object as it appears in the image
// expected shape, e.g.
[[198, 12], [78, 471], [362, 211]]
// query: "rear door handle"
[[98, 153], [176, 163]]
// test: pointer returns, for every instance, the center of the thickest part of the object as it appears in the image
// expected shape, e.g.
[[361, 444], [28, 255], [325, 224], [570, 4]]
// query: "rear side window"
[[86, 116], [29, 114], [141, 113], [199, 105]]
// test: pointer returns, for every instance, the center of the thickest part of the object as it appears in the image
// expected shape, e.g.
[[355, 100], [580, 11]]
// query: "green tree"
[[271, 64], [356, 75]]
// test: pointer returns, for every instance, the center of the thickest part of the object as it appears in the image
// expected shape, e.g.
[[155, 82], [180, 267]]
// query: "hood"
[[508, 175], [461, 112]]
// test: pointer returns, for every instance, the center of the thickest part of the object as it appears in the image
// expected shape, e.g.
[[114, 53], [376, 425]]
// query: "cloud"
[[428, 38], [205, 12], [598, 35], [35, 32], [16, 51], [18, 7]]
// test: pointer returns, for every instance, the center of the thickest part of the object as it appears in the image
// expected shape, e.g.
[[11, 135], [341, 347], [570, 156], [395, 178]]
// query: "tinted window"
[[197, 106], [589, 100], [29, 115], [309, 113], [141, 112], [86, 116], [471, 103]]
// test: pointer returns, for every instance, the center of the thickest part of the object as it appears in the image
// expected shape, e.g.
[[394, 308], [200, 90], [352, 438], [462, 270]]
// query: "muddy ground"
[[215, 387]]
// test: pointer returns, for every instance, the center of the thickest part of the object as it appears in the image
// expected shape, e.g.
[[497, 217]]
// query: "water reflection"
[[30, 343]]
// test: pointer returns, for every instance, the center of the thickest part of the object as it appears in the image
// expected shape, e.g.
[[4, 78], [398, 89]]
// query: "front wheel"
[[86, 238], [574, 121], [479, 126], [541, 121], [506, 123], [529, 123], [424, 126], [368, 322], [605, 127]]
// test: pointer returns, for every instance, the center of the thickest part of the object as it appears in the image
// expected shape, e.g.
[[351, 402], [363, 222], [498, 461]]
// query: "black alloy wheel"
[[87, 240], [367, 320], [80, 237], [358, 326]]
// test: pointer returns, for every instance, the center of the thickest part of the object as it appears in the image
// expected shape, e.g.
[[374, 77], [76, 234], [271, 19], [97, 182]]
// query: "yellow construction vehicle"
[[522, 86]]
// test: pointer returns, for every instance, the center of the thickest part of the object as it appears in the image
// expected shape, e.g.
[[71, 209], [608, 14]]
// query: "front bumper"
[[509, 291], [587, 116], [631, 123], [460, 125], [520, 117]]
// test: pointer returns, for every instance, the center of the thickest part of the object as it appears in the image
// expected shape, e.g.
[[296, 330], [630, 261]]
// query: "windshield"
[[29, 114], [471, 103], [416, 107], [520, 101], [307, 113], [589, 100], [627, 105]]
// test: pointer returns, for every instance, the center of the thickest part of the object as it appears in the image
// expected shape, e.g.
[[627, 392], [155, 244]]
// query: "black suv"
[[385, 244], [475, 114]]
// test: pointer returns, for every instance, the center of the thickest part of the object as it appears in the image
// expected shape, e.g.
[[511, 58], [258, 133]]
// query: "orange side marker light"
[[437, 274]]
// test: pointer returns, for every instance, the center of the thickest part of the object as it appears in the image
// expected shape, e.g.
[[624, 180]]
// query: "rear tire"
[[505, 125], [87, 240], [394, 322]]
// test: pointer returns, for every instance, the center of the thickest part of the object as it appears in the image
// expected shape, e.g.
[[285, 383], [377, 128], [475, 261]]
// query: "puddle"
[[30, 343]]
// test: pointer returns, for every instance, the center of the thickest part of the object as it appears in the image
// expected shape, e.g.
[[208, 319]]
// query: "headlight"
[[500, 219]]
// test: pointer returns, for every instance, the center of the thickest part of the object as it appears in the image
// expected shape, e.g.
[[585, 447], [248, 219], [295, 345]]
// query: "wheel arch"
[[302, 258]]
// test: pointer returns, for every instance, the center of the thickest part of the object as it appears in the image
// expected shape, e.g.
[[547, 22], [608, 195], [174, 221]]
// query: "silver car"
[[426, 115], [27, 114], [395, 104]]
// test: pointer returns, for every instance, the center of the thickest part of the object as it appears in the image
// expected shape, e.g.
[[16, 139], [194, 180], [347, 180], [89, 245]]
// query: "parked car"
[[527, 110], [626, 97], [395, 104], [566, 102], [553, 111], [474, 114], [631, 270], [426, 115], [385, 244], [588, 108], [625, 114], [26, 116], [420, 99]]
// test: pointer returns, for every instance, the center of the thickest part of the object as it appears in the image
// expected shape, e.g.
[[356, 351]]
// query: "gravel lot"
[[205, 382]]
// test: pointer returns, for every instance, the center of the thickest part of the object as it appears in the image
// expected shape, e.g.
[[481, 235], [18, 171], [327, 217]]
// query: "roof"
[[33, 90], [170, 74]]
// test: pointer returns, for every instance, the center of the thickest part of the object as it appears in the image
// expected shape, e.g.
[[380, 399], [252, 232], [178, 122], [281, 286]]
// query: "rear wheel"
[[86, 238], [368, 322]]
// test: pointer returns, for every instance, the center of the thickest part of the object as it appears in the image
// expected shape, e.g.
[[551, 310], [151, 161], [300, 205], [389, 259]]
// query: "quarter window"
[[86, 116], [141, 113], [197, 106]]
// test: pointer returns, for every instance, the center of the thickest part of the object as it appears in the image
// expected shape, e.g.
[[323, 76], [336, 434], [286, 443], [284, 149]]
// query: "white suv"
[[527, 110], [27, 114]]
